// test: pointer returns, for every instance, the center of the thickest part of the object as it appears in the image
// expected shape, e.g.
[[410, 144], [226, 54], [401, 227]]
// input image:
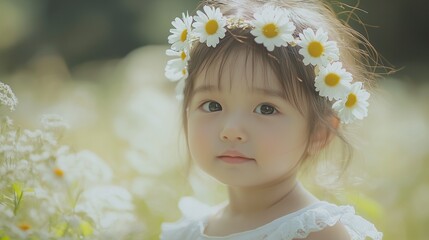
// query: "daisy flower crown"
[[271, 27]]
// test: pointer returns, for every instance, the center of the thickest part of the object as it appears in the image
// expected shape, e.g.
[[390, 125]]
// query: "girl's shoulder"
[[321, 219]]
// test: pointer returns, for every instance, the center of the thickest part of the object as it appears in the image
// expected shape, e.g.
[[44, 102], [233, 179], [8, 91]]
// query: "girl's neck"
[[287, 195]]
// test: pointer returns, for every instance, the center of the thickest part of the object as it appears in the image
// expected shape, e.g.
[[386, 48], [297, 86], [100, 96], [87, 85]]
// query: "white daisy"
[[182, 54], [180, 34], [354, 105], [209, 26], [333, 81], [316, 48], [176, 69], [272, 27]]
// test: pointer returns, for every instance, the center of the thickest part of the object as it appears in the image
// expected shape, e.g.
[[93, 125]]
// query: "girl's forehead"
[[238, 70]]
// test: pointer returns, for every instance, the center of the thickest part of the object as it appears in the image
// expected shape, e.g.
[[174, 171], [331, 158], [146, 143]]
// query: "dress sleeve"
[[360, 228], [327, 215], [181, 229]]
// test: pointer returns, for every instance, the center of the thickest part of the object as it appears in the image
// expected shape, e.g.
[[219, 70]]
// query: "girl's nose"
[[233, 132]]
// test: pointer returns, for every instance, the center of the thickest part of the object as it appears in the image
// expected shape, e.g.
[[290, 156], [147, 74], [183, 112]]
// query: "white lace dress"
[[296, 225]]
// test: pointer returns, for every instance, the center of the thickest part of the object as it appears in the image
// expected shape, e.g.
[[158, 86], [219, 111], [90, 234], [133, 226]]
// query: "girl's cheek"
[[199, 130]]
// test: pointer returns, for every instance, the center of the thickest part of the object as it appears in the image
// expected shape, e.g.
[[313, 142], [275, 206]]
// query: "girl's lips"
[[234, 160], [234, 157]]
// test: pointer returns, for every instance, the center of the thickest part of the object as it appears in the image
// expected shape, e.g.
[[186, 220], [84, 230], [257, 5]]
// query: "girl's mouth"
[[234, 160], [234, 157]]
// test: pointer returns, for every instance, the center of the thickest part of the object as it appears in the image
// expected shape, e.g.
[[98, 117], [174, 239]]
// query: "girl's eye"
[[211, 106], [265, 109]]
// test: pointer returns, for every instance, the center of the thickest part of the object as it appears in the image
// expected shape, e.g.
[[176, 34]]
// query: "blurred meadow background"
[[115, 166]]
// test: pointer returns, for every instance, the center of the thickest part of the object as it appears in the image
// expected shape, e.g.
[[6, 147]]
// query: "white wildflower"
[[107, 206], [54, 122], [7, 97], [84, 167]]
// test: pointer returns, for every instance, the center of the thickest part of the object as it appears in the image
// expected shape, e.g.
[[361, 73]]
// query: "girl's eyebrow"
[[264, 91]]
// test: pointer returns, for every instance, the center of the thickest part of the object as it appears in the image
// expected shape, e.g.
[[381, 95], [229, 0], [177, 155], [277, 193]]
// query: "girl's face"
[[244, 133]]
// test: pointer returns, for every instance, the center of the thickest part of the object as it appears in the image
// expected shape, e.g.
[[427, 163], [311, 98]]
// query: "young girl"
[[266, 86]]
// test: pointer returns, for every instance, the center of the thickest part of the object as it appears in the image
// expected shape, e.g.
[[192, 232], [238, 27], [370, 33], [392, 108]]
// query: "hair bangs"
[[285, 62]]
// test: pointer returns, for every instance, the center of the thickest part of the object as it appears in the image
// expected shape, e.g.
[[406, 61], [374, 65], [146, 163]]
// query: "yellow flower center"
[[332, 79], [24, 226], [58, 172], [184, 35], [184, 72], [212, 26], [183, 55], [270, 30], [351, 100], [315, 49]]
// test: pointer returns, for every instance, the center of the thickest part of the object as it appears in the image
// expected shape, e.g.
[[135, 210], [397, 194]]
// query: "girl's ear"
[[323, 135]]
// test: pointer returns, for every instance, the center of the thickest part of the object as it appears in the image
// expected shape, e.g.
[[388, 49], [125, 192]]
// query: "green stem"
[[17, 201]]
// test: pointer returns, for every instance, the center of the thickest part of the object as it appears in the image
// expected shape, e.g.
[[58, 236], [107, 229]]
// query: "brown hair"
[[296, 79]]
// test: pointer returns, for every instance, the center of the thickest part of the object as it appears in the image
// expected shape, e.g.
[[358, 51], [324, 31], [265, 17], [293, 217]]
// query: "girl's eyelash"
[[217, 104], [202, 102], [275, 109], [219, 107]]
